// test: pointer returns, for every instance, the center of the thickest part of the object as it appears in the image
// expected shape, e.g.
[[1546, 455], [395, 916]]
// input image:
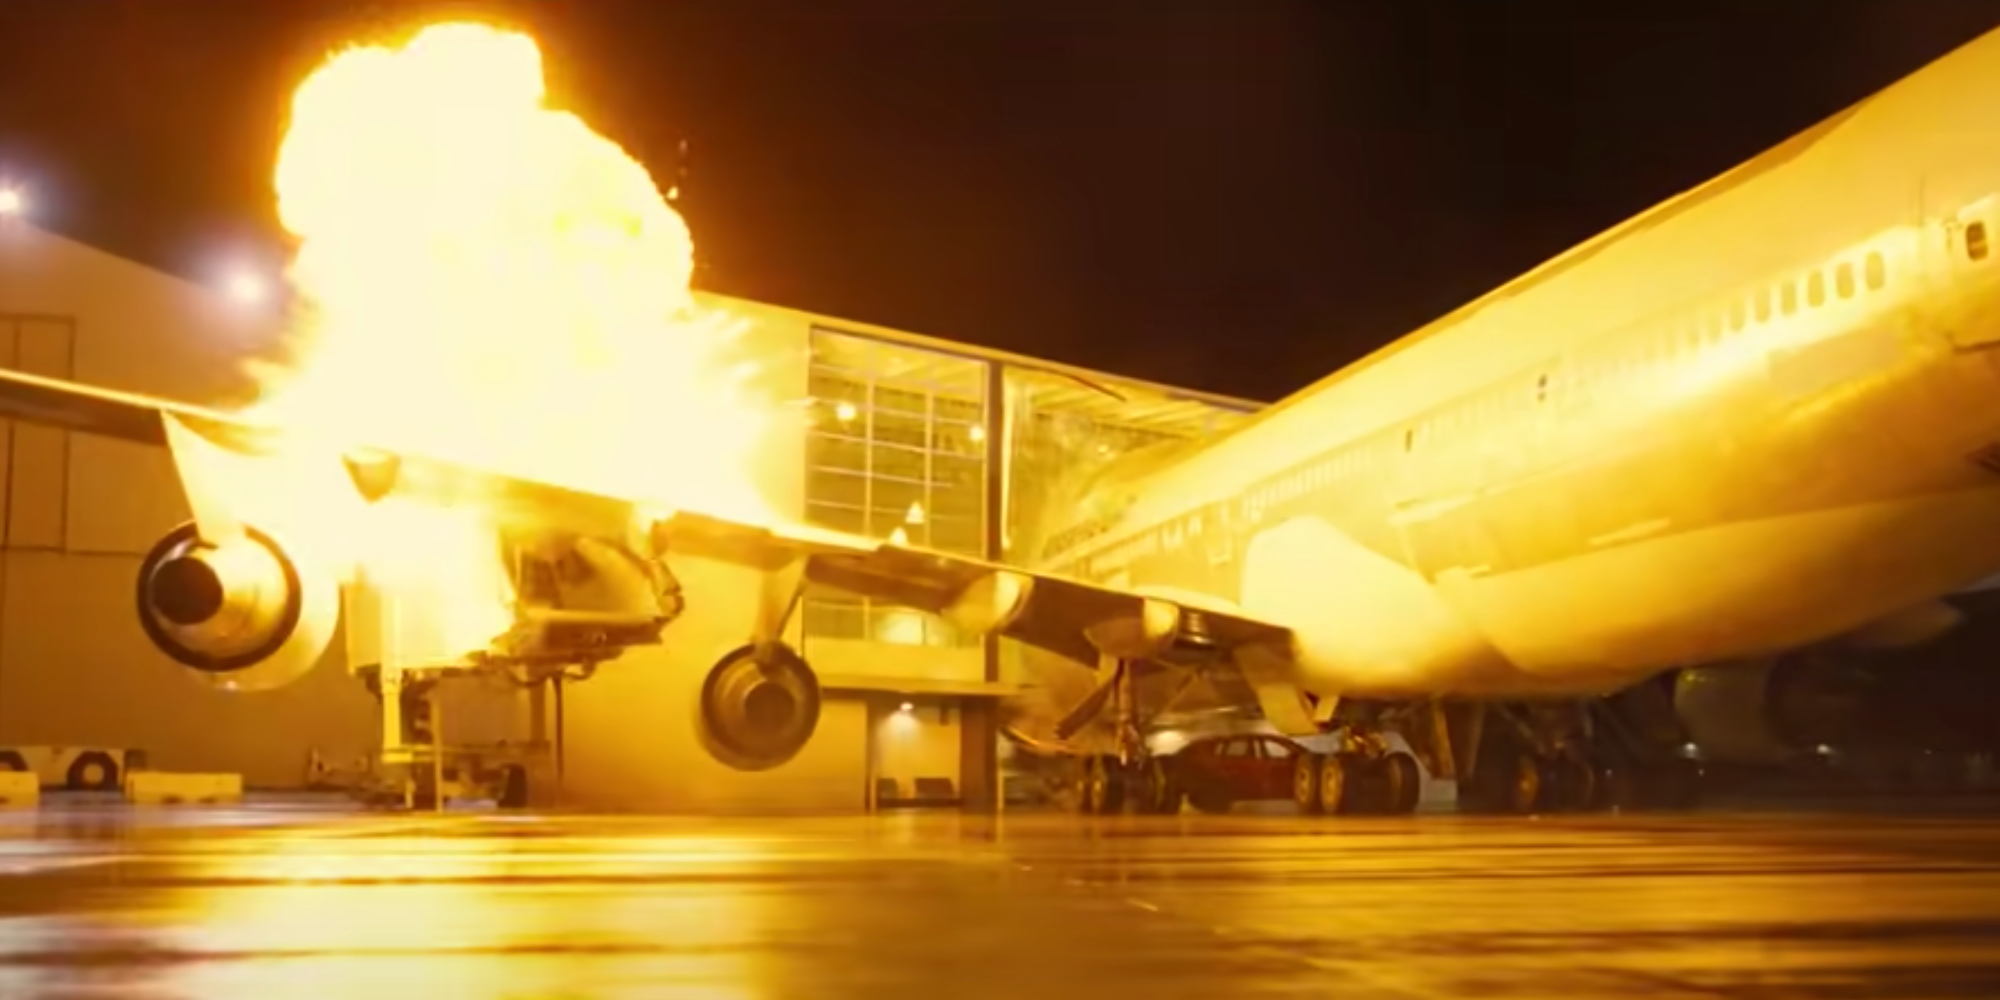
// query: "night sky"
[[1237, 195]]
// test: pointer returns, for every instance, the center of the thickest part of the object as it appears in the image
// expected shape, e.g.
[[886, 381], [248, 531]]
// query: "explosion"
[[484, 280], [487, 280]]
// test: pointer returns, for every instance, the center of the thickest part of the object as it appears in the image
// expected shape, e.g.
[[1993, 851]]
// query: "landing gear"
[[759, 706], [1148, 786], [1554, 758], [1357, 782]]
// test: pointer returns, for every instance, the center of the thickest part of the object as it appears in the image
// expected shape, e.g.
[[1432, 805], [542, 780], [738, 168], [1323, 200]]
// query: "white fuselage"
[[1754, 417]]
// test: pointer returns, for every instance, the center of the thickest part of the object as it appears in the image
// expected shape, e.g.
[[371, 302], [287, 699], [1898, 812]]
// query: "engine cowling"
[[1771, 710], [243, 615], [758, 707], [1846, 700]]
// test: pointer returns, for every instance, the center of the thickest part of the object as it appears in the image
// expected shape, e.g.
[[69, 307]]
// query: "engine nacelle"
[[758, 707], [1770, 711], [1937, 698], [243, 615]]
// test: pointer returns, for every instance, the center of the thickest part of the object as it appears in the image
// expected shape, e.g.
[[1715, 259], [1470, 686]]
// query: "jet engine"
[[1772, 710], [1843, 699], [758, 706], [242, 614]]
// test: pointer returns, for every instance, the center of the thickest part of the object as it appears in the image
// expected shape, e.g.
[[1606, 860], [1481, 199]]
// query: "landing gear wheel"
[[1343, 782], [1568, 785], [1402, 784], [1163, 788], [758, 707], [1305, 783], [513, 787], [1103, 792], [93, 771], [1523, 791]]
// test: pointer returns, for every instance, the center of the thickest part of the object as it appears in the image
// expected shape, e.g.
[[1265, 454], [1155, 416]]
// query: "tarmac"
[[275, 903]]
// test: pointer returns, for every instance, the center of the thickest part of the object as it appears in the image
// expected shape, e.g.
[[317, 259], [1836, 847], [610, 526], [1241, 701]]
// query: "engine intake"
[[759, 707], [241, 615]]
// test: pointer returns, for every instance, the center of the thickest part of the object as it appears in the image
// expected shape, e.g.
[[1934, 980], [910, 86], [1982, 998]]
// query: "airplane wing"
[[1071, 618], [152, 420], [1065, 616]]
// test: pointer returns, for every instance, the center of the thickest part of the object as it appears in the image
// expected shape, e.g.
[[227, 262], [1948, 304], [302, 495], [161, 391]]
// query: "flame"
[[490, 281], [484, 279]]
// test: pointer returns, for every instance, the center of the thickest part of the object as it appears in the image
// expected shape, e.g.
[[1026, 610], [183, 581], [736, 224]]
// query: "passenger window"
[[1815, 289], [1975, 241], [1874, 272], [1713, 325], [1843, 280], [1762, 306], [1735, 314], [1234, 748], [1788, 298]]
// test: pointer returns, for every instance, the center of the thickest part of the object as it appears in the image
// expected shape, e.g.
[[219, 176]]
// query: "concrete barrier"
[[157, 788], [20, 789]]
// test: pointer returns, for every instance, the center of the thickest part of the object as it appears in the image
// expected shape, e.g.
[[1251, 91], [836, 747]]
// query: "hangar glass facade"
[[905, 441], [895, 448]]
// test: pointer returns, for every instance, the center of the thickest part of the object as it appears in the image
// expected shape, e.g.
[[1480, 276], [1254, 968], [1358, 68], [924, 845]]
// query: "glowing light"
[[906, 708], [12, 201], [844, 412], [899, 537], [916, 514], [246, 288], [484, 279], [977, 433]]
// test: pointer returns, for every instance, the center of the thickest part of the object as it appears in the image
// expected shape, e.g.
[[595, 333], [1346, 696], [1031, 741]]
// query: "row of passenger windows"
[[1843, 281]]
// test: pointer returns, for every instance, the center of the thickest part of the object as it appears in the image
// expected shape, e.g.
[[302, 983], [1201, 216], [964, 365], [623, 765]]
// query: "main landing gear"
[[1572, 757], [1145, 785], [1131, 778], [1363, 778]]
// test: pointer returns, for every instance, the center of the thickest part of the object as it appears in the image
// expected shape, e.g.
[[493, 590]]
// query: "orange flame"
[[488, 281], [491, 282]]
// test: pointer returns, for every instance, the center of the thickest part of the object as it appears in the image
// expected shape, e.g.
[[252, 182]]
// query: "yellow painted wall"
[[81, 511]]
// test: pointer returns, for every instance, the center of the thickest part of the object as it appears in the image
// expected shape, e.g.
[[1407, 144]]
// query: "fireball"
[[485, 280]]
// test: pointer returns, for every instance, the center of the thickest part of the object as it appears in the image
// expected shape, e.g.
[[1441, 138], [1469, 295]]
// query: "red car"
[[1216, 772]]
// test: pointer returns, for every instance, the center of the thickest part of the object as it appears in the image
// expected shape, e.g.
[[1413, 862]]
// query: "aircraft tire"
[[1103, 791], [1305, 783], [1163, 788], [1348, 786], [1567, 785], [1404, 784]]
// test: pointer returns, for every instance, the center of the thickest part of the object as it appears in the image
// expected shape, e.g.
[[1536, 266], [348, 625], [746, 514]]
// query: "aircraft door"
[[1958, 254]]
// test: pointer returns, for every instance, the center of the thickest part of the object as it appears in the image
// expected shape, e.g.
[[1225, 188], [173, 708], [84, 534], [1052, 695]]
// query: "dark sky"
[[1236, 195]]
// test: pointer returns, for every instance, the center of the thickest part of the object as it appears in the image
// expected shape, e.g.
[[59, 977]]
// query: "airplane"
[[1760, 417]]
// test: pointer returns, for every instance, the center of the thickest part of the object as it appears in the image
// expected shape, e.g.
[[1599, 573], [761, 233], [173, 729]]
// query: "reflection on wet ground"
[[265, 904]]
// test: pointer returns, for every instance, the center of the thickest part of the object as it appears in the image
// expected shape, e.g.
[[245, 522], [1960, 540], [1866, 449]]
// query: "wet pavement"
[[277, 904]]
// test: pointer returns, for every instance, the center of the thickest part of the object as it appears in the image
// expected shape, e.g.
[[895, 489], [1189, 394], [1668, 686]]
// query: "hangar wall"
[[81, 511]]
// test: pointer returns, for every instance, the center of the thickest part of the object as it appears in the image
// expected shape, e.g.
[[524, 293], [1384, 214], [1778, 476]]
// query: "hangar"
[[946, 445]]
